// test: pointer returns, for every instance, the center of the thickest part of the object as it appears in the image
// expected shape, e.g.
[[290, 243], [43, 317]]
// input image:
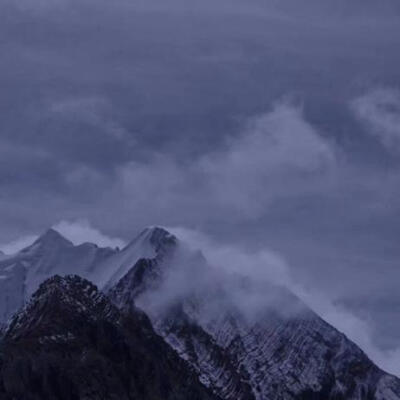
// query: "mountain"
[[283, 351], [245, 339], [69, 342], [51, 254], [147, 244]]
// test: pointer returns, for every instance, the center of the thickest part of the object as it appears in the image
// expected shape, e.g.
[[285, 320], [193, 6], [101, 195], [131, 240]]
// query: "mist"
[[271, 126], [230, 282], [220, 280]]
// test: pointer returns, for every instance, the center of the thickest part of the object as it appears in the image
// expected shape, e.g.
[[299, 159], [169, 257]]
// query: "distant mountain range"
[[156, 321]]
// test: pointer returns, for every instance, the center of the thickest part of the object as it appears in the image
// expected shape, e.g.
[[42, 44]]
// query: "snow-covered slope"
[[145, 245], [277, 354], [50, 254]]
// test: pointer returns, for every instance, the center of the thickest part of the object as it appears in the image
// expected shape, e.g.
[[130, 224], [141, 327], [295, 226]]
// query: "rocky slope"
[[280, 353], [69, 342]]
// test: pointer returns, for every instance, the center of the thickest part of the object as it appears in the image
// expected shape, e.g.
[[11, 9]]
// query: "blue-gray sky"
[[261, 123]]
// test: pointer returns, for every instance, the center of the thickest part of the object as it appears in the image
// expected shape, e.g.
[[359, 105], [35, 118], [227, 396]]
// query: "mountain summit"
[[51, 238], [150, 243]]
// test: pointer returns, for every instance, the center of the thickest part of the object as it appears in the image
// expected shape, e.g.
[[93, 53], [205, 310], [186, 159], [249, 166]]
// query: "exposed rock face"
[[69, 342], [273, 356]]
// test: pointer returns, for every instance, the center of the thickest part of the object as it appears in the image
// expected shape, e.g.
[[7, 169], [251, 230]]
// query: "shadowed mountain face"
[[206, 334], [69, 342]]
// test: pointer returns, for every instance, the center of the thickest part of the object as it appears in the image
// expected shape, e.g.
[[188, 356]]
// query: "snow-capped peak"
[[50, 239], [51, 254], [52, 236], [156, 236], [151, 242]]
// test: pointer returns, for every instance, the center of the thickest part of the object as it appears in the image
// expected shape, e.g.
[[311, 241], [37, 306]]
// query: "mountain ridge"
[[283, 351], [70, 342], [50, 254]]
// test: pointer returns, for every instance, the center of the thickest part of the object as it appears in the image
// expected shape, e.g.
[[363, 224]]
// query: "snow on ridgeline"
[[53, 254]]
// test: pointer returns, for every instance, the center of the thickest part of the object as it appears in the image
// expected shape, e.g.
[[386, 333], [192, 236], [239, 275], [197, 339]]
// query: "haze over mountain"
[[265, 124], [244, 339], [264, 132]]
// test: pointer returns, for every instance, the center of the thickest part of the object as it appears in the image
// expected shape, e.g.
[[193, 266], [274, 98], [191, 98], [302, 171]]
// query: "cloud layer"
[[128, 114], [277, 155]]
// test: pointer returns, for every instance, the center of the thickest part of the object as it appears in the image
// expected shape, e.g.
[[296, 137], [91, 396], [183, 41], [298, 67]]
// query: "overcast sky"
[[263, 124]]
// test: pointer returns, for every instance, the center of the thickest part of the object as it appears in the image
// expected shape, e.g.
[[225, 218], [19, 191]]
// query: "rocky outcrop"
[[69, 342]]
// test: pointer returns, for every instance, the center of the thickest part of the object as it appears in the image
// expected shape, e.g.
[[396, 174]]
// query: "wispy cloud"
[[379, 111], [265, 267], [17, 244], [276, 154], [81, 231]]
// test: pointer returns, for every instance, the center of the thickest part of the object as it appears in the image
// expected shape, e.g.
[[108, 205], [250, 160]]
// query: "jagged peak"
[[62, 298], [156, 233], [52, 237], [156, 237], [156, 228], [65, 283], [153, 243], [70, 289]]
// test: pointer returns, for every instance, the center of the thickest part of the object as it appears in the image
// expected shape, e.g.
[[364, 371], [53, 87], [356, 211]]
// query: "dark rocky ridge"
[[71, 343]]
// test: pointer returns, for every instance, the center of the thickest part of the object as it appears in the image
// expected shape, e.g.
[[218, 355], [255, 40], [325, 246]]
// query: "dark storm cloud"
[[260, 122]]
